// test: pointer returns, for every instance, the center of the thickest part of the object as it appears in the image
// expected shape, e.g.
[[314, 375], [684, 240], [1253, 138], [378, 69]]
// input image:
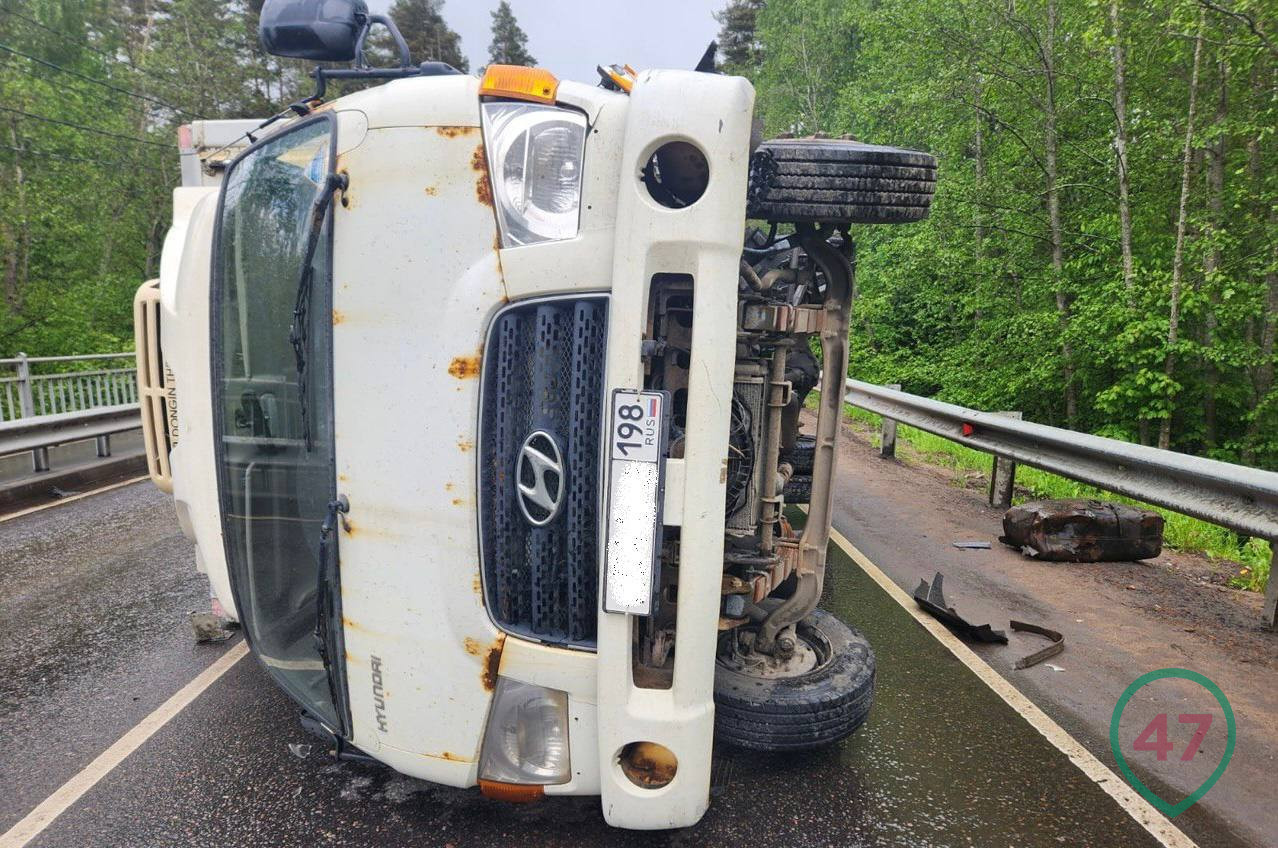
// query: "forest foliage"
[[1102, 251], [91, 95]]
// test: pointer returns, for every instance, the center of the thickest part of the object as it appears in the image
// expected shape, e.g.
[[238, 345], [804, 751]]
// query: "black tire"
[[802, 456], [816, 180], [798, 490], [801, 713]]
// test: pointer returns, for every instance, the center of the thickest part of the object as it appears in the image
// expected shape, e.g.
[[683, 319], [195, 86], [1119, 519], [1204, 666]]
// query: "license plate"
[[636, 450]]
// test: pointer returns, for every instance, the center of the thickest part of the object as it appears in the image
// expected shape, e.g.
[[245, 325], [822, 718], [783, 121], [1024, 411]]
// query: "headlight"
[[526, 740], [534, 159]]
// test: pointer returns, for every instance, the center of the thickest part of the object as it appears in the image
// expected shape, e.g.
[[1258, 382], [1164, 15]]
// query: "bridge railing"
[[49, 400], [1238, 497]]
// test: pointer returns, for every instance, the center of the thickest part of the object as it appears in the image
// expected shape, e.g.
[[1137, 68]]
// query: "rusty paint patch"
[[348, 526], [431, 190], [465, 446], [349, 623], [477, 585], [341, 478], [459, 501], [448, 487], [473, 647], [464, 367], [483, 188], [454, 132], [492, 663], [338, 317], [456, 758]]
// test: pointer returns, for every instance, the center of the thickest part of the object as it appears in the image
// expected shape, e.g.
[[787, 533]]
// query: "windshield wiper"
[[297, 336]]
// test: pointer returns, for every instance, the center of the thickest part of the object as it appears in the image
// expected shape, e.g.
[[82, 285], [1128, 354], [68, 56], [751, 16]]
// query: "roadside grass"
[[1250, 558]]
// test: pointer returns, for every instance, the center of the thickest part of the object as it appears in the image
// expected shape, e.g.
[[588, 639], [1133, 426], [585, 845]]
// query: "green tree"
[[510, 43], [739, 46], [428, 35]]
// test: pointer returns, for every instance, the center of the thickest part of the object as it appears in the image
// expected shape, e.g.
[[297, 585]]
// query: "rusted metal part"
[[837, 267], [491, 659], [783, 318], [932, 599], [1058, 644], [778, 394], [1083, 531], [648, 765]]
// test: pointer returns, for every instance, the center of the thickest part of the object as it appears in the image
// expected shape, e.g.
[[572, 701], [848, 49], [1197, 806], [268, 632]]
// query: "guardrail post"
[[1003, 475], [26, 400], [104, 446], [887, 440], [1270, 614]]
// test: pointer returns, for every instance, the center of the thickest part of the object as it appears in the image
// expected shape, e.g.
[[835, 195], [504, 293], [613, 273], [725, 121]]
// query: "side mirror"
[[320, 30]]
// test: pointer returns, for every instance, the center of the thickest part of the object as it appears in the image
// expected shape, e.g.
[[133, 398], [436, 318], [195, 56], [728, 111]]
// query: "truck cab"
[[482, 404]]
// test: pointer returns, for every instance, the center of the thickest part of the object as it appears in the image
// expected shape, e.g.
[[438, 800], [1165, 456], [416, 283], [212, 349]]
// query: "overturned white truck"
[[483, 417]]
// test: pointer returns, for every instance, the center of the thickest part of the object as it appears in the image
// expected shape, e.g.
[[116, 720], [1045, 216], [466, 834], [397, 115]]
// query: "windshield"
[[272, 384]]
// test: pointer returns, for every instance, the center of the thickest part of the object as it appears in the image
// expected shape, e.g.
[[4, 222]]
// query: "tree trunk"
[[1178, 256], [1211, 260], [16, 262], [1262, 375], [1120, 149], [1050, 149]]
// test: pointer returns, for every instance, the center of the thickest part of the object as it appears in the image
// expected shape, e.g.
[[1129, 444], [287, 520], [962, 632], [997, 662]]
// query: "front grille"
[[543, 371]]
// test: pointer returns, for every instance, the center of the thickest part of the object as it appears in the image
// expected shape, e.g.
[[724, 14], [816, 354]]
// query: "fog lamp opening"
[[648, 765]]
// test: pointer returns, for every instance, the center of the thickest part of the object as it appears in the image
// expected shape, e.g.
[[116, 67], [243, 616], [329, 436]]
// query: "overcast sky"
[[571, 37]]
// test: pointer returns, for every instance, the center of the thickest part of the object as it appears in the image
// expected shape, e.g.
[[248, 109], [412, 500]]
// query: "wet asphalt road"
[[94, 594]]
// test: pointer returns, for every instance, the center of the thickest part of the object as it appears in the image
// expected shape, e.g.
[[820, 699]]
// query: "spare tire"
[[827, 180]]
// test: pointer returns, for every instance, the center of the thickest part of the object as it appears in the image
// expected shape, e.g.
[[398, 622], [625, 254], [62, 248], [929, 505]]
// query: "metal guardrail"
[[44, 431], [39, 395], [32, 391], [1240, 498]]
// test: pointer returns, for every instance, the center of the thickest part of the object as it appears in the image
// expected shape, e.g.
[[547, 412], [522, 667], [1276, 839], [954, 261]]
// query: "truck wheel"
[[838, 181], [798, 489], [802, 456], [820, 695]]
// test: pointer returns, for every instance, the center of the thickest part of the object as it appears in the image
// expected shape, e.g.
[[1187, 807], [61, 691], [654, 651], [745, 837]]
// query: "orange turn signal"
[[535, 84], [516, 793]]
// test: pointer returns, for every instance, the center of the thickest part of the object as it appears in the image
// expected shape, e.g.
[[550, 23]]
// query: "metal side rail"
[[44, 431], [1240, 498]]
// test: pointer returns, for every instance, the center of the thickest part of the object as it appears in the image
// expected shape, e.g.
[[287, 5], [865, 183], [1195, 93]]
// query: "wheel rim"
[[812, 654]]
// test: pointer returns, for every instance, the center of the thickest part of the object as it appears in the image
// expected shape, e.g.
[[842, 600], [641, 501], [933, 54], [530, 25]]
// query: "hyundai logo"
[[539, 478]]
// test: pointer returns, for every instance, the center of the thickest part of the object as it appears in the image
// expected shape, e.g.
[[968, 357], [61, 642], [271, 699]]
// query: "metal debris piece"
[[209, 627], [932, 599], [1055, 667], [1058, 645], [301, 751], [1083, 531], [972, 546]]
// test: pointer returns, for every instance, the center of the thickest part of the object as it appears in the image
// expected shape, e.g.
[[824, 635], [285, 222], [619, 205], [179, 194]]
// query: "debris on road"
[[972, 546], [1055, 667], [932, 599], [300, 750], [1058, 644], [210, 627], [1083, 531]]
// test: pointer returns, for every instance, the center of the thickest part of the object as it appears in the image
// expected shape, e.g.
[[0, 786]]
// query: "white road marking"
[[1158, 825], [71, 498], [68, 793]]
